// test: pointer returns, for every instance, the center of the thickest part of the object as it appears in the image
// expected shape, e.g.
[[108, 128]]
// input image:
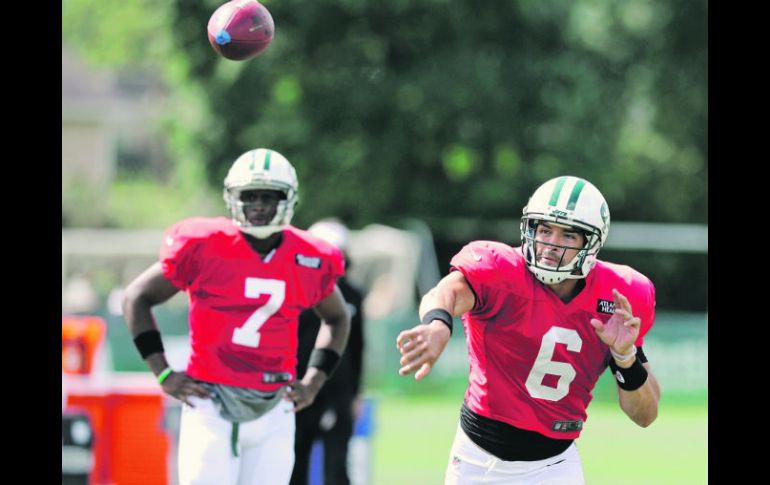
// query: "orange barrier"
[[81, 337], [125, 410], [131, 445]]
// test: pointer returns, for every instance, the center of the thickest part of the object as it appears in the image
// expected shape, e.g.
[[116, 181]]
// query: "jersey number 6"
[[248, 334], [544, 365]]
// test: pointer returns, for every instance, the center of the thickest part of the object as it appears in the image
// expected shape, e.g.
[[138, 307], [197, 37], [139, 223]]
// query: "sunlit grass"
[[413, 436]]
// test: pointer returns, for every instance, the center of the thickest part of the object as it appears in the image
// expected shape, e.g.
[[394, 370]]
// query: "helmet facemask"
[[283, 213], [577, 268]]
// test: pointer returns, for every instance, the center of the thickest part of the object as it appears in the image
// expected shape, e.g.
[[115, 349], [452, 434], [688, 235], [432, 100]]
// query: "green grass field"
[[413, 435]]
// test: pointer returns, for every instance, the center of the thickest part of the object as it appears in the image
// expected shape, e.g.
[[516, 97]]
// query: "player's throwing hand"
[[420, 347]]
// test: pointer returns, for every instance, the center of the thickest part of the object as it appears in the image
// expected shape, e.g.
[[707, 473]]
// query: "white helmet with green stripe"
[[266, 170], [569, 201]]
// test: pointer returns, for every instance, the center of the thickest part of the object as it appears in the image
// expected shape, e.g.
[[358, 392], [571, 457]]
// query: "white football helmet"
[[569, 201], [267, 170], [331, 231]]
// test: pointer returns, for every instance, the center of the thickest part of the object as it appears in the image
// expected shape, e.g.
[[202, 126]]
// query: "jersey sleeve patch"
[[313, 262], [639, 290], [319, 255]]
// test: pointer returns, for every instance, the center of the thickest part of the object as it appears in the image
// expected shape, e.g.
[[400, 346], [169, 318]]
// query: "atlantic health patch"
[[605, 306]]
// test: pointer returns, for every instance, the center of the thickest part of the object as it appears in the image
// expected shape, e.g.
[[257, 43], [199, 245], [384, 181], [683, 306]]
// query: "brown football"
[[241, 29]]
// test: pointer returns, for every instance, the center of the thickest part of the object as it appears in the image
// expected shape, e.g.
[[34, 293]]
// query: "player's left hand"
[[302, 393], [622, 329]]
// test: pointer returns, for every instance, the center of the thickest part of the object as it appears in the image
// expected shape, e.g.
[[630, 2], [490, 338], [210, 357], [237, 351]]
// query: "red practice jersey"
[[243, 310], [534, 360]]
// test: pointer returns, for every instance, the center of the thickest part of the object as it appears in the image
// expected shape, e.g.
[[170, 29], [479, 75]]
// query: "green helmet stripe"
[[557, 190], [267, 159], [251, 166], [575, 194]]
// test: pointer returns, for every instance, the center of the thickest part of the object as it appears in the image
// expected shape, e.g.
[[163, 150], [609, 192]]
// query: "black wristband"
[[439, 314], [325, 359], [148, 343], [629, 379]]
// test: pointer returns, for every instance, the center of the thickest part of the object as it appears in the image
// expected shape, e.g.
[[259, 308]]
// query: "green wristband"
[[162, 376]]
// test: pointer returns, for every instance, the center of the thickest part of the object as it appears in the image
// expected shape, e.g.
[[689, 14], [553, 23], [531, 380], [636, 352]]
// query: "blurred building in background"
[[89, 123], [107, 129]]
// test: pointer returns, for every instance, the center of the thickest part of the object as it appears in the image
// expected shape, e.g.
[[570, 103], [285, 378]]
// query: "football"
[[240, 29]]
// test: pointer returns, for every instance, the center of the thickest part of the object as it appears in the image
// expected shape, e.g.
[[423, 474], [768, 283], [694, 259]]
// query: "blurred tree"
[[437, 108], [397, 107]]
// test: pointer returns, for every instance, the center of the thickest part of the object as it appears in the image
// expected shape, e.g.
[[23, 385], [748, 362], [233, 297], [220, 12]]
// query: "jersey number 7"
[[248, 334]]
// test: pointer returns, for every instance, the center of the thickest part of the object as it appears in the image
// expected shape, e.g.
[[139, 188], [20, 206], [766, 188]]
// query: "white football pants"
[[265, 446], [471, 465]]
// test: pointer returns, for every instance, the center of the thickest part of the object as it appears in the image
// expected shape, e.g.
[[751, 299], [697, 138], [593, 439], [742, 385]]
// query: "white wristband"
[[623, 358]]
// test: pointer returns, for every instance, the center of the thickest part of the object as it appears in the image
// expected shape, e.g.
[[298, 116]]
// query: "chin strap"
[[262, 232]]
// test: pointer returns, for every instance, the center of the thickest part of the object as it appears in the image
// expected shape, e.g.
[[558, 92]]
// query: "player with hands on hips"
[[248, 278], [542, 321]]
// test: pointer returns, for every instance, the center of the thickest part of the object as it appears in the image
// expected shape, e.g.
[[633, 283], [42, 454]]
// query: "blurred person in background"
[[248, 278], [337, 406], [542, 322]]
